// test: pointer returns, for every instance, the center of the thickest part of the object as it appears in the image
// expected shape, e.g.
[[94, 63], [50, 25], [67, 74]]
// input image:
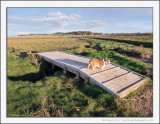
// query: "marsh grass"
[[39, 43], [129, 48], [124, 61], [136, 43], [34, 90], [56, 95]]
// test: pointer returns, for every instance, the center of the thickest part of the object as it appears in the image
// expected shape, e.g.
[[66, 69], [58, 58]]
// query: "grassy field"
[[130, 48], [34, 90], [40, 43]]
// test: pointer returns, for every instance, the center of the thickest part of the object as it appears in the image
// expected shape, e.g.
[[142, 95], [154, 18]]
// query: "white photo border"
[[154, 4]]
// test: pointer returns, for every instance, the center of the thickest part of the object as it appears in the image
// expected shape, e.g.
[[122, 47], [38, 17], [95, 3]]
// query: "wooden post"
[[53, 67], [86, 80], [64, 70], [92, 83], [77, 75]]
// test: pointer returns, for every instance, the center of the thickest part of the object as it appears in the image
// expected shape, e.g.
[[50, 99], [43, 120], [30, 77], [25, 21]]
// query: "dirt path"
[[82, 41], [147, 61], [143, 103]]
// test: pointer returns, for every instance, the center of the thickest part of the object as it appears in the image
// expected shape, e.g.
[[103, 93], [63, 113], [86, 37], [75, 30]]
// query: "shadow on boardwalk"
[[74, 63]]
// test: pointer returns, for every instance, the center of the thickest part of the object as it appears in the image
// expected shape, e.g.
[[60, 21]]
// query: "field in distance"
[[40, 43], [34, 90]]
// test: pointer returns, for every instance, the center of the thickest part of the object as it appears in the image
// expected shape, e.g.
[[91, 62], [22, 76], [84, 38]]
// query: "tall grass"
[[39, 44], [139, 67], [148, 38], [56, 95], [125, 48], [34, 90]]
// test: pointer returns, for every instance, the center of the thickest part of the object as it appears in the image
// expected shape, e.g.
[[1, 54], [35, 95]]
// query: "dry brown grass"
[[39, 43]]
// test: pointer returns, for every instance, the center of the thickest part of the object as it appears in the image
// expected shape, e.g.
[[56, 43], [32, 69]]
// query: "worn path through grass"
[[33, 90]]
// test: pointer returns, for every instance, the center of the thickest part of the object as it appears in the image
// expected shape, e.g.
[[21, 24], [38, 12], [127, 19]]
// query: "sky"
[[103, 20]]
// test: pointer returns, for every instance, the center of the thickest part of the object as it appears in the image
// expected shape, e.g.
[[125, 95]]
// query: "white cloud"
[[52, 21], [62, 16], [94, 23], [57, 19], [55, 13]]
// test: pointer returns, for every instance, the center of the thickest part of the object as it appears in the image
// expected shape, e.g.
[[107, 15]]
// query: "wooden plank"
[[126, 81], [116, 81], [106, 74], [109, 75], [132, 88], [47, 59], [102, 71], [105, 88], [122, 80], [72, 70], [113, 80], [129, 70], [125, 87], [97, 70]]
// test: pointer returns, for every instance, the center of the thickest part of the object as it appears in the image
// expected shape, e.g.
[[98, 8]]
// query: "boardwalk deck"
[[115, 79]]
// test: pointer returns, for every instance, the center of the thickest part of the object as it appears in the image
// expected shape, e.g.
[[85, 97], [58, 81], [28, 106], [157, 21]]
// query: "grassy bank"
[[31, 94], [128, 48], [139, 67], [34, 90]]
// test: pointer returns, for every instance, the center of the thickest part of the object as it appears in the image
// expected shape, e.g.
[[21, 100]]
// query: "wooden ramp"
[[115, 79]]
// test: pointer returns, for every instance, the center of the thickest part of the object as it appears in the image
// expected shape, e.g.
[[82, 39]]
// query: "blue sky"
[[105, 20]]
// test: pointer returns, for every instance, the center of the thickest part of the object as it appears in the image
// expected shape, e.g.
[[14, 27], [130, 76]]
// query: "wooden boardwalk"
[[115, 79]]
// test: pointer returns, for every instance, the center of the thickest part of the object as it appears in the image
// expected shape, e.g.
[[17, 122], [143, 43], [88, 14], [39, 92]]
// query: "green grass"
[[34, 90], [136, 43], [116, 58], [53, 93], [127, 48], [39, 43], [135, 40]]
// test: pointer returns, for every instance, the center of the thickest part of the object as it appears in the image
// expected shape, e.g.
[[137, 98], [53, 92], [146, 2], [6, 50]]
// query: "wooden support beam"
[[53, 67], [115, 79], [77, 75], [86, 80], [64, 70]]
